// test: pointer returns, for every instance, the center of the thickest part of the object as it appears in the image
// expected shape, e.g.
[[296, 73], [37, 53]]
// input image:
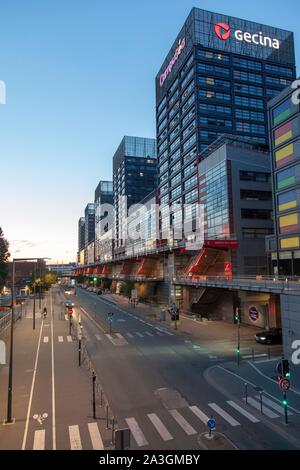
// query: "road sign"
[[253, 313], [110, 317], [134, 295], [122, 439], [211, 424], [285, 385]]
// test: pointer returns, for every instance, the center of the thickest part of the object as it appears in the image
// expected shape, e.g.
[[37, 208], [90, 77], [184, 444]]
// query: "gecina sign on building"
[[224, 32]]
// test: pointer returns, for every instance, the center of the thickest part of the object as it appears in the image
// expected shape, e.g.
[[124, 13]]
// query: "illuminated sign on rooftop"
[[181, 46]]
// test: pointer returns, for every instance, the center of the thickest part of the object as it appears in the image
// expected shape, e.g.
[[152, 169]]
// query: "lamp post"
[[9, 418]]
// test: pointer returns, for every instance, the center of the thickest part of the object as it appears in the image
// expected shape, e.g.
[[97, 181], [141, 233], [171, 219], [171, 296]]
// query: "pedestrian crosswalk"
[[75, 439], [169, 424], [192, 420], [155, 332], [59, 339]]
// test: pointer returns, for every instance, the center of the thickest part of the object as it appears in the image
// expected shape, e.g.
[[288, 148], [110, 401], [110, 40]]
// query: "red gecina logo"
[[222, 30]]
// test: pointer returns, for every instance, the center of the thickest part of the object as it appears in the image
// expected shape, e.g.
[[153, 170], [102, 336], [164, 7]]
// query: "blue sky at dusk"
[[80, 75]]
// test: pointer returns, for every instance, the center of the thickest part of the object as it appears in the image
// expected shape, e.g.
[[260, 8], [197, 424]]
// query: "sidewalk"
[[220, 337]]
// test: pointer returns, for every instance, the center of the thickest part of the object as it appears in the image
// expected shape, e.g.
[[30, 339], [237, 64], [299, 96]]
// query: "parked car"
[[272, 336]]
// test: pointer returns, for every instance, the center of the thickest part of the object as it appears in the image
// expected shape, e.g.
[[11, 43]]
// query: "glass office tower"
[[103, 197], [217, 78], [134, 177]]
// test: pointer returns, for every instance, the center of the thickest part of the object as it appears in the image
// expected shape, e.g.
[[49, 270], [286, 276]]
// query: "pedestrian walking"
[[44, 313]]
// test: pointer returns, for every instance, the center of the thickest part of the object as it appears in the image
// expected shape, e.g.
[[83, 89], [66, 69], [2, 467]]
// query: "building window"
[[174, 121], [277, 81], [280, 70], [257, 177], [189, 142], [250, 233], [189, 129], [248, 128], [216, 109], [174, 144], [188, 117], [213, 82], [254, 195], [245, 63], [190, 182], [188, 90], [210, 95], [205, 68], [248, 89], [209, 55], [247, 76], [176, 180], [249, 115], [263, 214], [248, 102], [187, 78], [216, 122], [191, 196]]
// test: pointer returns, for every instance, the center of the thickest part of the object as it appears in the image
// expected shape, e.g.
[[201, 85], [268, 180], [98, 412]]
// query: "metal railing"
[[6, 319], [259, 282]]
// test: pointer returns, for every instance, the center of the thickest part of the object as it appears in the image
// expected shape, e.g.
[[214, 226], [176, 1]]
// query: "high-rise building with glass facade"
[[134, 177], [103, 198], [81, 237], [217, 78], [284, 121]]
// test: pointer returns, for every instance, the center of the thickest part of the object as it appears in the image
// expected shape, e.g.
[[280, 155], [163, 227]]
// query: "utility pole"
[[11, 349], [34, 292]]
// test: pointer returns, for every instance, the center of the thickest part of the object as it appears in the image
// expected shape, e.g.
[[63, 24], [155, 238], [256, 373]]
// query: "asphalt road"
[[157, 385]]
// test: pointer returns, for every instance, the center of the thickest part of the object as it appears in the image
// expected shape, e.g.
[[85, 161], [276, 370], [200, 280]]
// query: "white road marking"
[[60, 339], [149, 334], [96, 439], [224, 414], [140, 335], [266, 411], [69, 339], [160, 427], [98, 337], [249, 356], [129, 335], [159, 333], [39, 440], [53, 378], [273, 405], [118, 341], [75, 440], [202, 416], [243, 412], [32, 389], [188, 429], [136, 432], [46, 339]]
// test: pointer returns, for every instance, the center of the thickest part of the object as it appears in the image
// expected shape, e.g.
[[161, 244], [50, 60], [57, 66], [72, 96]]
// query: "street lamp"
[[11, 349]]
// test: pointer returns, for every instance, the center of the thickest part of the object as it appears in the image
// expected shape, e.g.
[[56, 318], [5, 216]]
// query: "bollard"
[[94, 394], [107, 423], [246, 392], [101, 397], [261, 402], [113, 431]]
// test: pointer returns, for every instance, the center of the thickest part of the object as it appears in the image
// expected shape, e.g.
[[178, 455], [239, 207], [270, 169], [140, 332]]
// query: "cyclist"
[[45, 313]]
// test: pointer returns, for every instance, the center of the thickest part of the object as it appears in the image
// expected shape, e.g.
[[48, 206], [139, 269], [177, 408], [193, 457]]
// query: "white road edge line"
[[31, 390], [53, 377]]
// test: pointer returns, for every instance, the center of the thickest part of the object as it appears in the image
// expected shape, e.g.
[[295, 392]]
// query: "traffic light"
[[284, 402], [237, 315], [286, 368], [95, 279]]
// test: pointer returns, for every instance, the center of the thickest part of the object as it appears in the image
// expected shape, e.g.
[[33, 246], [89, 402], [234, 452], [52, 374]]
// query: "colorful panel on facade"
[[286, 178], [288, 243], [289, 223], [288, 200], [283, 133], [282, 112], [284, 155]]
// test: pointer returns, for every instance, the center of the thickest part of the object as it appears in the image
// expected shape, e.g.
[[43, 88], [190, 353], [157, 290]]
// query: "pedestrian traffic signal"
[[286, 368]]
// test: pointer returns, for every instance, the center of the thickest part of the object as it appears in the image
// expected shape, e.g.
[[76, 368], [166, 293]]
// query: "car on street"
[[69, 304], [272, 336]]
